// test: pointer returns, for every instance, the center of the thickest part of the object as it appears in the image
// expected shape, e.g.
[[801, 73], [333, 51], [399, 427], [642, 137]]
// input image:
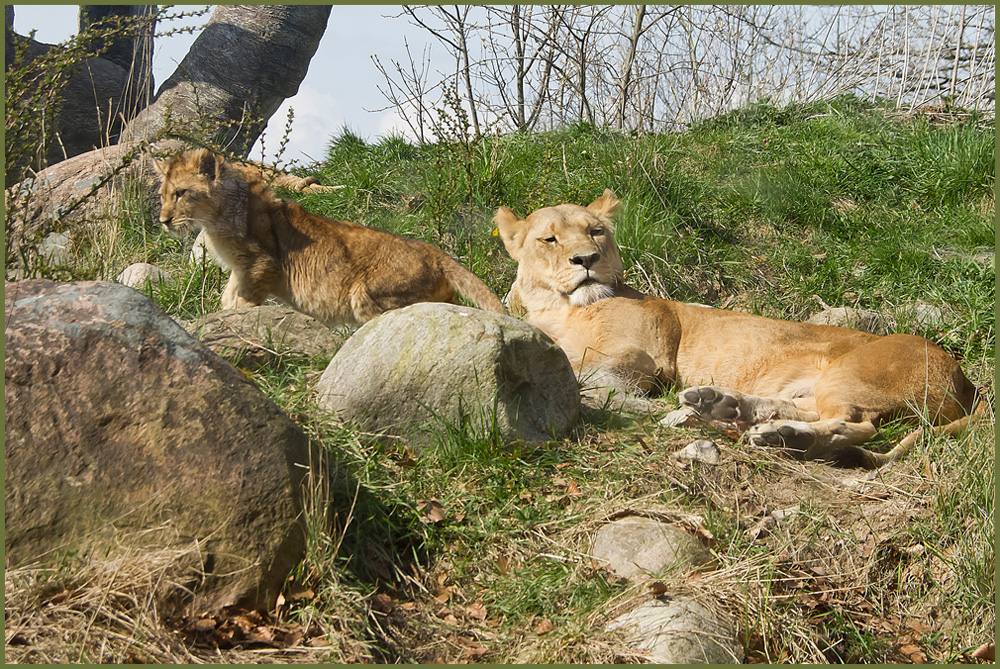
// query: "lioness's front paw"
[[791, 434], [711, 403]]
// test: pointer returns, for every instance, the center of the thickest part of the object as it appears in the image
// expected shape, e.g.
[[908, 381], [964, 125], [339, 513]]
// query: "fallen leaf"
[[432, 511], [382, 603], [573, 489], [297, 592], [657, 588], [292, 638], [477, 610], [503, 564], [444, 594], [919, 627], [985, 652], [914, 652], [204, 625], [544, 626]]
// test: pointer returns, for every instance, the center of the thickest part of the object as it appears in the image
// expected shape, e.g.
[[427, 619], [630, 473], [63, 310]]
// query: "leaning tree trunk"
[[246, 61]]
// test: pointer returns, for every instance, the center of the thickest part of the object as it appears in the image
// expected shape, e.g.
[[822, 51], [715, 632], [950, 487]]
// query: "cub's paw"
[[712, 403], [791, 434]]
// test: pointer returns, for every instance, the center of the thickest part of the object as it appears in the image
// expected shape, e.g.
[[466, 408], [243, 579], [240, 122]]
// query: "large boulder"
[[431, 364], [122, 431]]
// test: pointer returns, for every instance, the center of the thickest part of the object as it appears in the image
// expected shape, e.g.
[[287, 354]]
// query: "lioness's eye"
[[550, 240], [597, 232], [179, 193]]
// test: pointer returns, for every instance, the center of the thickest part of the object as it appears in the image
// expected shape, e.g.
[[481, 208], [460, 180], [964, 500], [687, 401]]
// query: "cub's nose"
[[585, 260]]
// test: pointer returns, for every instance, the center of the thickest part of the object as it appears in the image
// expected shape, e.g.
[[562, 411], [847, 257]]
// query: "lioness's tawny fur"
[[816, 389], [335, 271]]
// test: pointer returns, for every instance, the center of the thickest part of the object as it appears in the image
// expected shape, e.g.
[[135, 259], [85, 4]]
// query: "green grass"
[[764, 209]]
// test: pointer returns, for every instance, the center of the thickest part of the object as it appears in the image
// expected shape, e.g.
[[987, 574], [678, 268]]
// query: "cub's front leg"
[[232, 297]]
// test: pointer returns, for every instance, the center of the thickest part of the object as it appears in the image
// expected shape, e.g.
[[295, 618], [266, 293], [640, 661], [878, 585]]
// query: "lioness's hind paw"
[[794, 435], [711, 403]]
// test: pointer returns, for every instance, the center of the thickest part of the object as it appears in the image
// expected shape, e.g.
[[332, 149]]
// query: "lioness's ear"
[[606, 207], [510, 226]]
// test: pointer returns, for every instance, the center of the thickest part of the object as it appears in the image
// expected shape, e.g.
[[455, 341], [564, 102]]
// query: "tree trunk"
[[246, 61]]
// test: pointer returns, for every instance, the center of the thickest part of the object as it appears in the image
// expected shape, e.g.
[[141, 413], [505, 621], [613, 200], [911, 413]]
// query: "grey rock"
[[637, 546], [122, 431], [856, 319], [680, 631], [55, 248], [411, 369], [264, 331]]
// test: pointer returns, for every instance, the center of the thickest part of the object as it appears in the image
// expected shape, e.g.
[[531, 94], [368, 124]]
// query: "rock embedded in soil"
[[412, 371], [680, 630], [123, 431], [637, 546]]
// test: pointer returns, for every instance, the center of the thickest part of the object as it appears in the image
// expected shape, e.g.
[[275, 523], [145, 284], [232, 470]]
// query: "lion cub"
[[335, 271]]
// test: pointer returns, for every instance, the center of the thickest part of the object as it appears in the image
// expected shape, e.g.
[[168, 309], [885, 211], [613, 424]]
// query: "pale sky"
[[339, 88]]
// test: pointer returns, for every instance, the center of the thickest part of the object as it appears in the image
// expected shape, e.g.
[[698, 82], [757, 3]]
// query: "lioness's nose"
[[585, 260]]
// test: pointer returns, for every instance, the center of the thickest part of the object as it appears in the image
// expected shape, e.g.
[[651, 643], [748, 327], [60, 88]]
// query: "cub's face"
[[566, 254], [186, 202]]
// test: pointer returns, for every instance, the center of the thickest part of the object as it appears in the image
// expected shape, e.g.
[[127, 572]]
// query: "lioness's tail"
[[856, 456], [469, 286]]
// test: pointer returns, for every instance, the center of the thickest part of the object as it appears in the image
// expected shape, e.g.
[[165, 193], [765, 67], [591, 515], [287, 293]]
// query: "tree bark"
[[246, 61]]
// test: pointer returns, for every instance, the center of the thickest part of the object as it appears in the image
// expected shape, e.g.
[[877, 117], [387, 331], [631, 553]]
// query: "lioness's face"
[[185, 195], [567, 250]]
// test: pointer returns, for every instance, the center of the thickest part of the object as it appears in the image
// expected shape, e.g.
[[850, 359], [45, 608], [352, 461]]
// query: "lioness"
[[818, 390], [335, 271]]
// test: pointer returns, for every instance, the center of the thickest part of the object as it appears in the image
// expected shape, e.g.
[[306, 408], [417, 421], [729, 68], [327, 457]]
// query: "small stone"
[[701, 450], [137, 274]]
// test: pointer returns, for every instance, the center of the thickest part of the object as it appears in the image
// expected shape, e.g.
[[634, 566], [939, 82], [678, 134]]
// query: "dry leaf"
[[382, 603], [657, 588], [503, 564], [444, 594], [986, 652], [919, 627], [914, 652], [544, 626], [477, 610], [297, 592], [204, 625], [432, 511], [573, 489]]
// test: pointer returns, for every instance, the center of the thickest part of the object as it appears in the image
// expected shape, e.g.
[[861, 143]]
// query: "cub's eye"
[[597, 232], [179, 193], [549, 240]]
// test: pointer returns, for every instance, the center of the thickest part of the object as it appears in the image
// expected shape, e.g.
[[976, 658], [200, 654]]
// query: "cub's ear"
[[206, 163], [511, 229], [606, 207]]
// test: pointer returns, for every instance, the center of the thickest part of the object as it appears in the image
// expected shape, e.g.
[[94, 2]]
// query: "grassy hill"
[[772, 210]]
